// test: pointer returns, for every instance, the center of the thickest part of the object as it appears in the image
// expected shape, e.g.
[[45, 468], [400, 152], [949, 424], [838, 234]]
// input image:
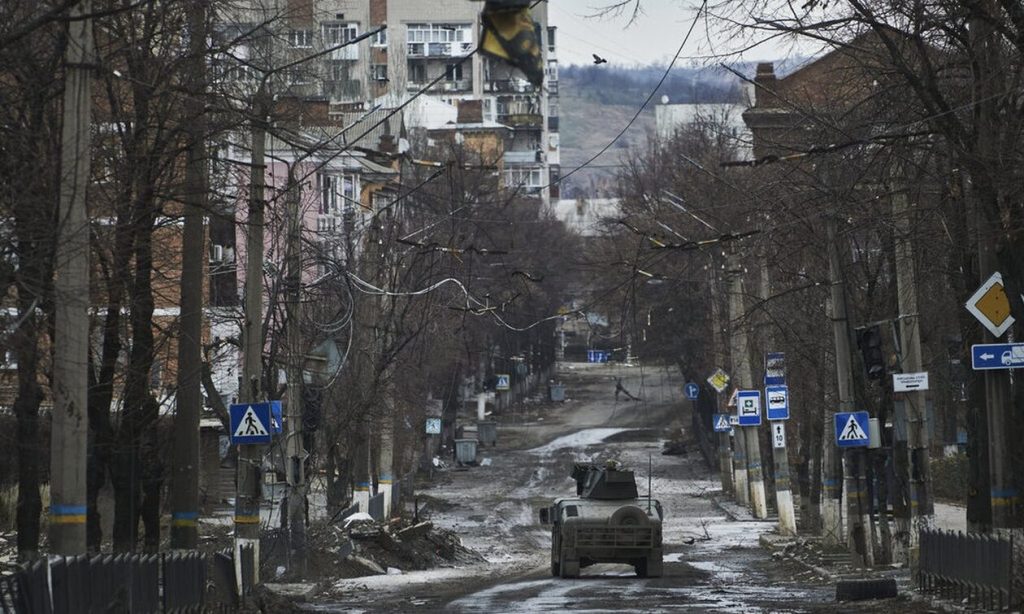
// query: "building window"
[[417, 72], [551, 74], [379, 72], [551, 39], [338, 194], [380, 39], [439, 39], [349, 192], [338, 71], [300, 39], [453, 72], [336, 34], [524, 177], [328, 186], [297, 76]]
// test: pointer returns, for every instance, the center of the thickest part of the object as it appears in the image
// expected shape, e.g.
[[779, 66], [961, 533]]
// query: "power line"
[[643, 106]]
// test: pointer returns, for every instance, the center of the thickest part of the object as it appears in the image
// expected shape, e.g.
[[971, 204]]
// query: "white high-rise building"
[[424, 40]]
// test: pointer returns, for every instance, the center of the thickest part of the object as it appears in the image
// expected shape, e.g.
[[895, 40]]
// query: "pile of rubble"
[[360, 546], [8, 553]]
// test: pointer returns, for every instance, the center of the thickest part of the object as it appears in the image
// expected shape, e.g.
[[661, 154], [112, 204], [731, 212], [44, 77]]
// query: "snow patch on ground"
[[580, 439], [950, 517], [721, 572], [394, 582]]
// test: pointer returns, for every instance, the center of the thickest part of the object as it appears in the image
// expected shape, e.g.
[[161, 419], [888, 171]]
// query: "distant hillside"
[[596, 102]]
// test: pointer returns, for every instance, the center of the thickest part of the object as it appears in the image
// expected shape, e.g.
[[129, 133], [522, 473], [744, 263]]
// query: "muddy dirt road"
[[712, 562]]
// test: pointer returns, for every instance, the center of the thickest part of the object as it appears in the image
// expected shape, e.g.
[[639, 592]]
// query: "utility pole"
[[831, 469], [189, 397], [744, 380], [780, 454], [858, 520], [69, 432], [382, 265], [725, 466], [294, 450], [921, 508], [247, 498], [1003, 424]]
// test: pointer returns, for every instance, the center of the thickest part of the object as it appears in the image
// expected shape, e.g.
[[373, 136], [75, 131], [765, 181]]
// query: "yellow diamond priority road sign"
[[719, 380], [990, 305]]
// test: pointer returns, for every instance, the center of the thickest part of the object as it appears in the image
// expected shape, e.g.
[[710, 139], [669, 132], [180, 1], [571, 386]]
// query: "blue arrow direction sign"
[[748, 407], [692, 391], [997, 356], [250, 423], [777, 401], [852, 429], [721, 423]]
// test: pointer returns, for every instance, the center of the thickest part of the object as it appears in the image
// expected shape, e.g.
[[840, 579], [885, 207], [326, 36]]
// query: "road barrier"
[[974, 566]]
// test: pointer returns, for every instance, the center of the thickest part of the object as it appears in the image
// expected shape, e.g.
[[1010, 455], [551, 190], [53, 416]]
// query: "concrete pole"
[[921, 509], [247, 497], [725, 465], [780, 455], [741, 481], [481, 405], [858, 520], [69, 431], [831, 469], [189, 399], [743, 380], [295, 453]]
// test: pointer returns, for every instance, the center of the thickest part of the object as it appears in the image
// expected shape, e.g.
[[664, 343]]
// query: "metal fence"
[[8, 594], [376, 507], [401, 492], [137, 583], [975, 566]]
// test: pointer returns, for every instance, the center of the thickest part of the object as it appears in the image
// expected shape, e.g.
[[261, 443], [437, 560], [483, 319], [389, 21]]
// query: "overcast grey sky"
[[653, 38]]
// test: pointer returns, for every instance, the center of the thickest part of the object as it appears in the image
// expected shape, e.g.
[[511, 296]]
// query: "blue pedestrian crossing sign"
[[276, 415], [250, 423], [502, 381], [852, 429], [721, 423], [692, 391], [748, 407], [777, 398]]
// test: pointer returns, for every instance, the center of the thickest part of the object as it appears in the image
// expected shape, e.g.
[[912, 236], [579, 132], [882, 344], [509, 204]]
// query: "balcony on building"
[[522, 158], [437, 50], [508, 86], [343, 89], [529, 180], [528, 121], [457, 76]]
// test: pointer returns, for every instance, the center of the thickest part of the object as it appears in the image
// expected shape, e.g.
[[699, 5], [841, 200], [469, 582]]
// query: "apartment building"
[[315, 50]]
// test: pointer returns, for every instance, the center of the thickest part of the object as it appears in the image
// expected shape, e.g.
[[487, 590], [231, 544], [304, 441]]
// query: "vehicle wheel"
[[555, 571], [569, 569], [628, 515], [640, 567], [655, 568]]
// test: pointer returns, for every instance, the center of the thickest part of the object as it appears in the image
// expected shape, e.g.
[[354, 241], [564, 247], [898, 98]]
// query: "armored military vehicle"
[[606, 522]]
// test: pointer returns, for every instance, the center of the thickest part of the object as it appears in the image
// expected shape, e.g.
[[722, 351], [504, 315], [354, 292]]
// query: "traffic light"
[[869, 341]]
